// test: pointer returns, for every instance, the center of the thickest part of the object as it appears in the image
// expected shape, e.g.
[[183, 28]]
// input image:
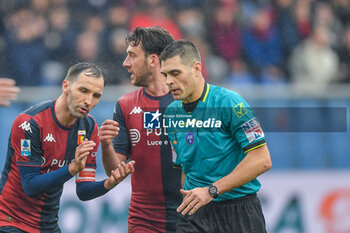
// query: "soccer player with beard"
[[155, 183], [50, 143]]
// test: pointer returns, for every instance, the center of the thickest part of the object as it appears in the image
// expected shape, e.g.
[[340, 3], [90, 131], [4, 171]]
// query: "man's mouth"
[[83, 110], [174, 91]]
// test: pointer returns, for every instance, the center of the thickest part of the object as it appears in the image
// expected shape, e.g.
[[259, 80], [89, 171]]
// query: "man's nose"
[[168, 80], [88, 100], [126, 62]]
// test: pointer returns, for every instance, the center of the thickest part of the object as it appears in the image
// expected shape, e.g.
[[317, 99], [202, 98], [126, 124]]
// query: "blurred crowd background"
[[256, 47], [242, 42]]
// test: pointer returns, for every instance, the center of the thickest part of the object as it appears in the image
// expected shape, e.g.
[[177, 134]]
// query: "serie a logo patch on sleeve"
[[25, 147], [252, 130]]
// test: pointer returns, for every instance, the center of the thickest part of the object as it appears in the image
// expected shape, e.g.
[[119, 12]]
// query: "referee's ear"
[[197, 69]]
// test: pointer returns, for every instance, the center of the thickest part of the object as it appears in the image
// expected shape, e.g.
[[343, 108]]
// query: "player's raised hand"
[[193, 200], [108, 130], [81, 153], [119, 174]]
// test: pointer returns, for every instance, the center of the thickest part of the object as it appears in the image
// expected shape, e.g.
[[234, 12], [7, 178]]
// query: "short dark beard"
[[144, 80]]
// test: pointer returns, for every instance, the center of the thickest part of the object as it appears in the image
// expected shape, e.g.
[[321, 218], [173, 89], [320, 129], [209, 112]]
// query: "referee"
[[219, 145]]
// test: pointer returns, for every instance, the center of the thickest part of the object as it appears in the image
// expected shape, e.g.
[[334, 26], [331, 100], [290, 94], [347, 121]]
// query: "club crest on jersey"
[[151, 120], [252, 130], [81, 136], [189, 137], [25, 147]]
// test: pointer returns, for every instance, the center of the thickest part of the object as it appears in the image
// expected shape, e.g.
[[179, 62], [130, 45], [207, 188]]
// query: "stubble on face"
[[73, 106], [144, 77]]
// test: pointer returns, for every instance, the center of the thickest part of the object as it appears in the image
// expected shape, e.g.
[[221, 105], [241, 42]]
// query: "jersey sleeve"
[[243, 124], [121, 142], [26, 141], [88, 174]]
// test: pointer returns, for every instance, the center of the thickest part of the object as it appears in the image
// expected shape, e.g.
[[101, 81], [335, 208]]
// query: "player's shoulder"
[[33, 112], [131, 97], [223, 95], [90, 119], [38, 108]]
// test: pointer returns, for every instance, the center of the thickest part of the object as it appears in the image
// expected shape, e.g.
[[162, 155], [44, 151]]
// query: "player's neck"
[[197, 92], [62, 113], [157, 87]]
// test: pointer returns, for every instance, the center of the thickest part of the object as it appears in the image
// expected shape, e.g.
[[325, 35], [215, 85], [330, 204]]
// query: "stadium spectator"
[[324, 17], [314, 62], [302, 13], [262, 42], [220, 161], [86, 48], [287, 25], [191, 22], [37, 36], [155, 183], [272, 75], [239, 74], [341, 9], [227, 34], [26, 50], [344, 58], [114, 57], [154, 13], [49, 144]]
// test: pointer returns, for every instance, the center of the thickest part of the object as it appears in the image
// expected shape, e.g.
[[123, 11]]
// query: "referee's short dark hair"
[[186, 49]]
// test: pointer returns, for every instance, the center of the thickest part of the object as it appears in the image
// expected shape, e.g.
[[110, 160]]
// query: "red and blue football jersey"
[[155, 182], [38, 140]]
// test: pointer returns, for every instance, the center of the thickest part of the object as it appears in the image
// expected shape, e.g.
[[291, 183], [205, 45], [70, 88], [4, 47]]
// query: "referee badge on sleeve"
[[252, 130]]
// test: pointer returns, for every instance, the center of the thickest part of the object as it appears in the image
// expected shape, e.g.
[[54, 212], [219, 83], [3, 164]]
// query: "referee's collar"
[[205, 92], [189, 107]]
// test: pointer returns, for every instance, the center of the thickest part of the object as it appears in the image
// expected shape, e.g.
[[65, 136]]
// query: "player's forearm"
[[34, 183], [110, 159], [90, 190], [255, 163]]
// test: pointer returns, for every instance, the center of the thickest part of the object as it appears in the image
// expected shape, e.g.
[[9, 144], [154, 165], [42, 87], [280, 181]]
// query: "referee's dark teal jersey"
[[213, 139]]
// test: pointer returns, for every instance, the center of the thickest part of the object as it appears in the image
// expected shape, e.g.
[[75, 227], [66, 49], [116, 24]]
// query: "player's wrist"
[[109, 185], [73, 170], [213, 191]]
